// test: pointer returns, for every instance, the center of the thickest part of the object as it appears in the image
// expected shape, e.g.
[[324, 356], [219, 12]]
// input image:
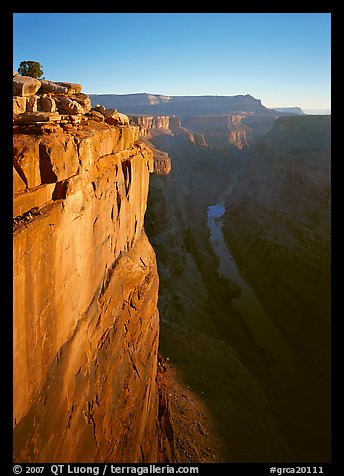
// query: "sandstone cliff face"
[[86, 324]]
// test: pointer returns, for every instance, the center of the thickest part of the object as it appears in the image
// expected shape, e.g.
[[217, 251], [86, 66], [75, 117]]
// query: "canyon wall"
[[277, 224], [222, 131], [201, 335], [282, 203], [86, 323]]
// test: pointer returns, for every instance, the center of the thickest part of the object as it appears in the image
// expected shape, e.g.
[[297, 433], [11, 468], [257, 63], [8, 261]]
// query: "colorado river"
[[265, 333]]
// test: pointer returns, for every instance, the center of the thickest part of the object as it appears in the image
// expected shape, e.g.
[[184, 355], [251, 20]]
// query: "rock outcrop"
[[86, 323]]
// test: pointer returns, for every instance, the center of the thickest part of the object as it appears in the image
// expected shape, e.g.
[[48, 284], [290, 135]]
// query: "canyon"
[[128, 344], [278, 226], [274, 200]]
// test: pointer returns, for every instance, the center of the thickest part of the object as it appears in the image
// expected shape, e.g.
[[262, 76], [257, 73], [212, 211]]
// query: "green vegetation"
[[30, 68]]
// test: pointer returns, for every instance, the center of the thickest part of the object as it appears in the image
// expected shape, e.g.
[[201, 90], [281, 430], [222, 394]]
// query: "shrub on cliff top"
[[30, 68]]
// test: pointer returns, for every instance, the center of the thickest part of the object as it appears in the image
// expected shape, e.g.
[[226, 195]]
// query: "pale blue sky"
[[281, 58]]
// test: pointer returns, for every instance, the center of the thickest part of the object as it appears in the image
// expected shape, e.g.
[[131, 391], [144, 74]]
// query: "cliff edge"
[[86, 323]]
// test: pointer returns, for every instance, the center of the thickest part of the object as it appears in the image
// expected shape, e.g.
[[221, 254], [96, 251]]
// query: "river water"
[[264, 331]]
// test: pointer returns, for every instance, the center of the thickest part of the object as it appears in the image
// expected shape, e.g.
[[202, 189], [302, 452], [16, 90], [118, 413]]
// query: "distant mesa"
[[182, 106], [289, 110]]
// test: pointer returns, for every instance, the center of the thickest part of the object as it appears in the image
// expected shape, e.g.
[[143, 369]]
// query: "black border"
[[6, 41]]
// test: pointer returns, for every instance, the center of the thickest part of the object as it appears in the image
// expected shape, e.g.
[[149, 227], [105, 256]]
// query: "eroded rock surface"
[[86, 323]]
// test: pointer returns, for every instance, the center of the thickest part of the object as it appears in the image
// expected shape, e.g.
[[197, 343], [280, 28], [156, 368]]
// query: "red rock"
[[32, 117], [83, 100], [26, 159], [111, 116], [72, 88], [51, 87], [47, 104], [32, 104], [96, 116], [85, 299], [58, 157], [19, 104], [69, 106], [99, 108], [25, 86], [18, 182]]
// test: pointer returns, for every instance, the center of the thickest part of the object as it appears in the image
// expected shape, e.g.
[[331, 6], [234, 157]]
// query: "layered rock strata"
[[166, 129], [182, 106], [86, 324], [222, 131]]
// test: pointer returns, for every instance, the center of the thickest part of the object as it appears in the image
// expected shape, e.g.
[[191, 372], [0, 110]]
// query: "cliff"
[[222, 131], [165, 130], [152, 126], [86, 323]]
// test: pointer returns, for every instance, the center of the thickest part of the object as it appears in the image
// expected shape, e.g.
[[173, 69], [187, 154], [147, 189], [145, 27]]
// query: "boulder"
[[69, 106], [47, 104], [83, 99], [19, 105], [25, 86], [51, 87], [111, 116], [96, 116], [100, 109], [72, 88], [32, 104], [110, 112], [123, 119]]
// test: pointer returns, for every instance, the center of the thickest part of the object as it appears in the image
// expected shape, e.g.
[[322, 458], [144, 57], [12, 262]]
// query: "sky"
[[283, 59]]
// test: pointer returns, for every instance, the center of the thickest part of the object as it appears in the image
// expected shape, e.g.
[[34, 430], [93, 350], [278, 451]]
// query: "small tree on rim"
[[30, 68]]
